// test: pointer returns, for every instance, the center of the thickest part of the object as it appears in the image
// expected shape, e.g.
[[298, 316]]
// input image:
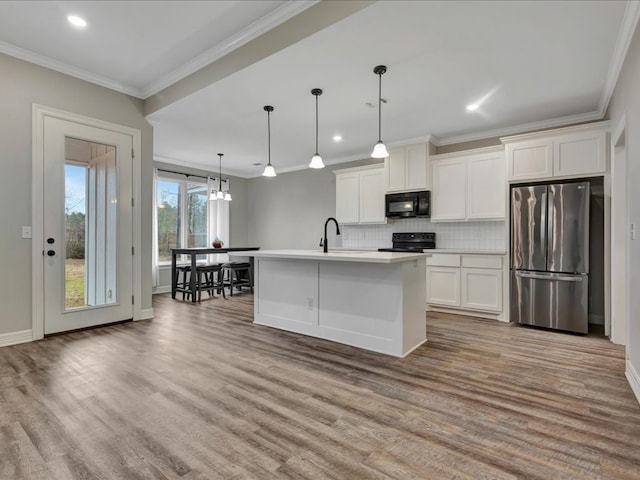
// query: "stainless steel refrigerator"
[[550, 256]]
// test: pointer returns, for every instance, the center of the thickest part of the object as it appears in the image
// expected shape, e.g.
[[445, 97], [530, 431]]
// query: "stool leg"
[[231, 283], [221, 283], [250, 280]]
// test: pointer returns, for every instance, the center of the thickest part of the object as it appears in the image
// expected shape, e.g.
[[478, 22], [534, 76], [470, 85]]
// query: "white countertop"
[[467, 251], [361, 256]]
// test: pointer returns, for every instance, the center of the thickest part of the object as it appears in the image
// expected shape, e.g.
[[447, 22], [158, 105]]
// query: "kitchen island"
[[371, 300]]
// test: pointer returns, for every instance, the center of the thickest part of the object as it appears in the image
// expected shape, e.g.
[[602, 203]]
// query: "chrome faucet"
[[323, 242]]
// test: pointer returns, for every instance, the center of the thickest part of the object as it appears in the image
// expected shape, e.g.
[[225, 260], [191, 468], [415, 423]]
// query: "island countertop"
[[361, 256]]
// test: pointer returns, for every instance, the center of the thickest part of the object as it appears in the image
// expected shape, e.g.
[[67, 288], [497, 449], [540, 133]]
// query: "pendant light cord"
[[316, 124], [380, 107], [269, 135], [220, 176]]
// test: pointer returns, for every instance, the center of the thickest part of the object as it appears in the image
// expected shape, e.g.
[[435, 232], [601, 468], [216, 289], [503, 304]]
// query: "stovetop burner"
[[400, 249], [411, 242]]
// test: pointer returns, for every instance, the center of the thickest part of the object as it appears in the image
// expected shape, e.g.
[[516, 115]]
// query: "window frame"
[[183, 180]]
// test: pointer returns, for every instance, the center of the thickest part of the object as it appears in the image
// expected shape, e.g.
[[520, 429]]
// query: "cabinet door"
[[482, 289], [372, 196], [486, 187], [348, 197], [449, 188], [530, 160], [395, 170], [443, 286], [580, 154], [416, 167]]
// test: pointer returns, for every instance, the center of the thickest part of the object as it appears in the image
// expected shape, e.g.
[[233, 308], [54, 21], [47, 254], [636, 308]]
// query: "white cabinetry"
[[406, 168], [562, 153], [360, 195], [468, 185], [469, 282], [443, 280]]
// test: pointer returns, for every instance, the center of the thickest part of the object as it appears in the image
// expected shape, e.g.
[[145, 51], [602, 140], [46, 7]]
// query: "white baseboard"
[[14, 338], [634, 379], [468, 313], [146, 313], [162, 289]]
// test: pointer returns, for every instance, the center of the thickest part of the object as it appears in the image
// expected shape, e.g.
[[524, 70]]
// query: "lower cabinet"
[[468, 282]]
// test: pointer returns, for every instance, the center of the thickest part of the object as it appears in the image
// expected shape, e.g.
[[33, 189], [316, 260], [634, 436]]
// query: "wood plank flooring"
[[199, 392]]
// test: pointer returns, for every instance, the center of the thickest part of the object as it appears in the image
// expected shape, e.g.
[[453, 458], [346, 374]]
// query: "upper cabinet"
[[468, 185], [563, 153], [360, 195], [406, 168]]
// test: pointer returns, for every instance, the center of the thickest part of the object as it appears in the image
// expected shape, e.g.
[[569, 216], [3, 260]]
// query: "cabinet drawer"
[[482, 261], [443, 260]]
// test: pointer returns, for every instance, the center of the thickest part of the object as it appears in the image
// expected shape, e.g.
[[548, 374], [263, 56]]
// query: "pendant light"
[[213, 193], [379, 149], [220, 194], [269, 171], [316, 160]]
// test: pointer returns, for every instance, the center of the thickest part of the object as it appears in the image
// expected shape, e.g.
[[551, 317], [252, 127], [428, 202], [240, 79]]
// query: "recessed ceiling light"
[[472, 107], [257, 164], [337, 138], [77, 21]]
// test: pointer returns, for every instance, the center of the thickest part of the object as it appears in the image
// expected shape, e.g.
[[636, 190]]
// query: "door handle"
[[543, 222], [564, 278], [51, 253]]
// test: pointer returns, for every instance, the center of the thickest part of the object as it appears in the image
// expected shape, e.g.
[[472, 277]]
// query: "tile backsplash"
[[466, 235]]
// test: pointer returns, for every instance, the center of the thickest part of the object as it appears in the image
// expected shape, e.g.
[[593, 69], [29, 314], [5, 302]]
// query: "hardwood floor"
[[199, 392]]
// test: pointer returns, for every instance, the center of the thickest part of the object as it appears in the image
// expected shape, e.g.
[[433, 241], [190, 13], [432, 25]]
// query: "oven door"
[[400, 205]]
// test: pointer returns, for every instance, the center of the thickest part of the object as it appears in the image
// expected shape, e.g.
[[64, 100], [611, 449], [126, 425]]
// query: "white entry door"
[[88, 241]]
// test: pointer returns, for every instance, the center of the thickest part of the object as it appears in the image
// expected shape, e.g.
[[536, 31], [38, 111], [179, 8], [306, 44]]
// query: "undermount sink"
[[346, 252]]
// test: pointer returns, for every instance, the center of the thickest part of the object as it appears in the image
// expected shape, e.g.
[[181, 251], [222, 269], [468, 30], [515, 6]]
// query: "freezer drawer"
[[551, 300]]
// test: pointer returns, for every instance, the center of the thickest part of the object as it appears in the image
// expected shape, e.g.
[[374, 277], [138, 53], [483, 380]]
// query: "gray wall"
[[289, 211], [21, 85], [626, 99]]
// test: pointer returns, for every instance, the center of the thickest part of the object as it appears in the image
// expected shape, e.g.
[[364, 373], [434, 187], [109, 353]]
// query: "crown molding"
[[604, 125], [269, 21], [198, 166], [524, 127], [31, 57], [625, 35], [257, 28]]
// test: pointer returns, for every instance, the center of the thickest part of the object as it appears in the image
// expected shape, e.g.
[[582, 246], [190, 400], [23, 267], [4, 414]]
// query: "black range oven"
[[411, 242]]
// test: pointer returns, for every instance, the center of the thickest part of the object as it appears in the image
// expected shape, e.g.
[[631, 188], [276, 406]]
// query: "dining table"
[[193, 252]]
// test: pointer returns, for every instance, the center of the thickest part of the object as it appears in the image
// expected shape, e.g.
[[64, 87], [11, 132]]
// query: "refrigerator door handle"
[[543, 221], [562, 278], [551, 214]]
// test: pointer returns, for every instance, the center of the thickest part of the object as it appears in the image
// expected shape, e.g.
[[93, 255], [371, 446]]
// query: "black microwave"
[[407, 204]]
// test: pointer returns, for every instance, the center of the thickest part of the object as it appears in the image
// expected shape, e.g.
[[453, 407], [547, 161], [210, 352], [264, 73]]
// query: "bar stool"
[[183, 285], [237, 275], [209, 279]]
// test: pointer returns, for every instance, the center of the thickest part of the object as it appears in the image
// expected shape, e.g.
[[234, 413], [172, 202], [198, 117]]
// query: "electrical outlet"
[[26, 232], [310, 303], [633, 231]]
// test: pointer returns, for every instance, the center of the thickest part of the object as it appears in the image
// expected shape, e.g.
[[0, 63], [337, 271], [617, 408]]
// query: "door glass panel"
[[75, 207], [91, 226]]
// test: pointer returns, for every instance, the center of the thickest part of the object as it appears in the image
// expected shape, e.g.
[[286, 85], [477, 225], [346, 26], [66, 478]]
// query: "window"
[[184, 215]]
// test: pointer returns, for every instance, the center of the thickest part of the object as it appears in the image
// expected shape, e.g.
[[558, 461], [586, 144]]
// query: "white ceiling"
[[535, 64]]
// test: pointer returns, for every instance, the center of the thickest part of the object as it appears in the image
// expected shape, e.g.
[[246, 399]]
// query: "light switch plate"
[[26, 232]]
